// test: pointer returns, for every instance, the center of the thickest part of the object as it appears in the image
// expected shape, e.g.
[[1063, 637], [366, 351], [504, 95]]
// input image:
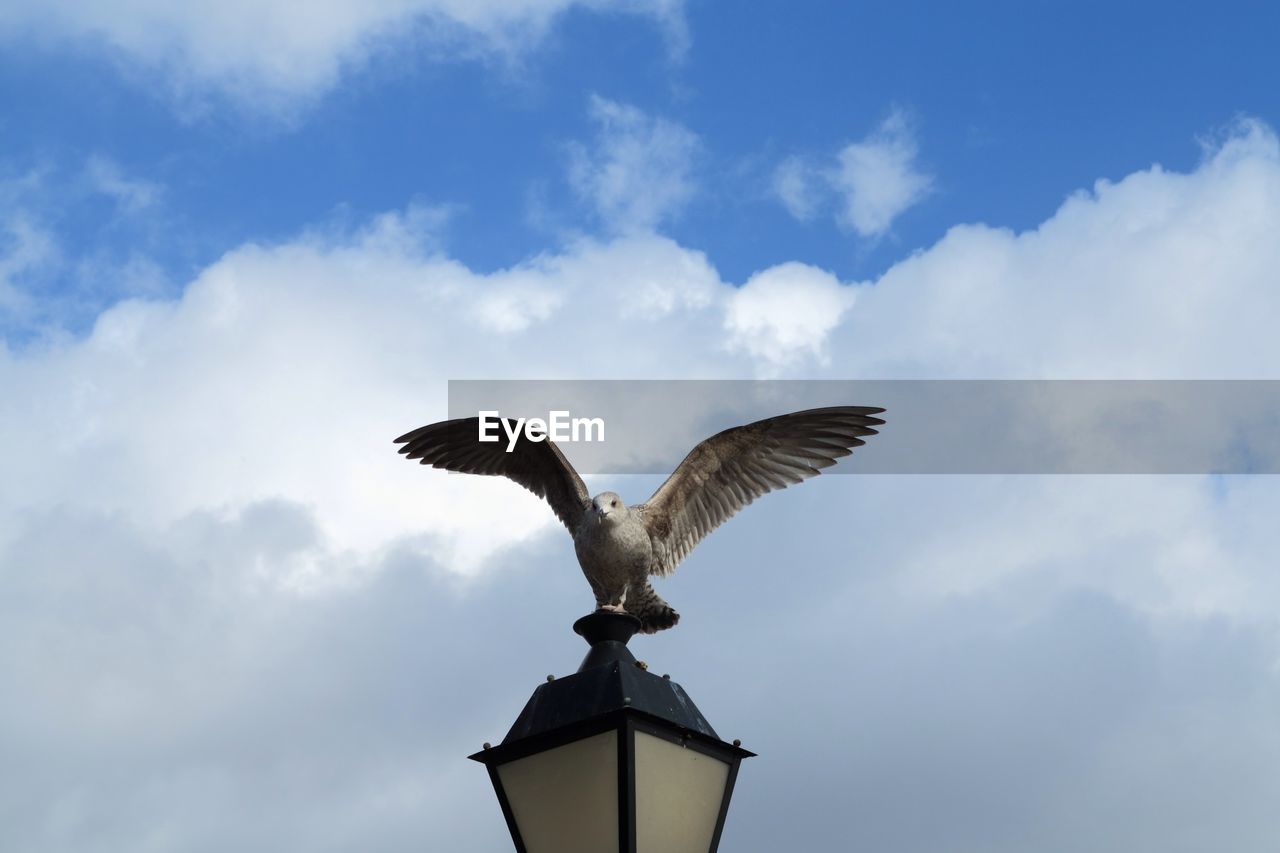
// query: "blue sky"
[[1011, 107], [241, 247]]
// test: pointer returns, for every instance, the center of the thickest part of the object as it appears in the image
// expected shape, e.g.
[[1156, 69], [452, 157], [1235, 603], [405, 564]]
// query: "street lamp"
[[612, 758]]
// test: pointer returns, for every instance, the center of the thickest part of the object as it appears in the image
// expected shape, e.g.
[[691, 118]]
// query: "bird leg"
[[615, 608]]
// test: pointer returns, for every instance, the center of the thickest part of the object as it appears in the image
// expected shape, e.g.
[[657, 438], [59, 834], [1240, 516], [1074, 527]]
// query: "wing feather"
[[539, 466], [731, 469]]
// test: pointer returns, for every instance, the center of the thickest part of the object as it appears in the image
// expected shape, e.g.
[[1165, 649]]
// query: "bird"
[[619, 547]]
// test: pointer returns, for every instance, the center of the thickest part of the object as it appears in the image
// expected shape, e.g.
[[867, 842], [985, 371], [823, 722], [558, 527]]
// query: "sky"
[[243, 245]]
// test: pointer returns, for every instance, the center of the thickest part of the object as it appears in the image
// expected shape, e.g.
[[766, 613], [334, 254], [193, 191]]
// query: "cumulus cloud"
[[250, 363], [231, 614], [871, 182], [275, 53], [638, 171], [1158, 275], [786, 313], [173, 700]]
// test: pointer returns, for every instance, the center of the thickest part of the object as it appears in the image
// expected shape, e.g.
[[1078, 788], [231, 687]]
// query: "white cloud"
[[1159, 275], [274, 358], [637, 173], [878, 177], [784, 315], [794, 183], [872, 182], [272, 53]]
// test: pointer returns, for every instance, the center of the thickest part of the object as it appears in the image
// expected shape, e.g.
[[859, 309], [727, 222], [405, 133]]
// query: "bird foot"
[[613, 608]]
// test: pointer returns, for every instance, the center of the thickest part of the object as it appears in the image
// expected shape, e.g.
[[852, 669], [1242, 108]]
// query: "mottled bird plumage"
[[620, 546]]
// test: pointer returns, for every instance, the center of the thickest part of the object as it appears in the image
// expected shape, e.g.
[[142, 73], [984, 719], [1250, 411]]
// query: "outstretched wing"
[[726, 472], [539, 466]]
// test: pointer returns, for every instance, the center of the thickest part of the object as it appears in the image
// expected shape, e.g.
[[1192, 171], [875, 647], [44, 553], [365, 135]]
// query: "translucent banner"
[[931, 426]]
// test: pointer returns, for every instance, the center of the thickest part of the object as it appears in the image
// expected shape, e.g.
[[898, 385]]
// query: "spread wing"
[[726, 472], [539, 466]]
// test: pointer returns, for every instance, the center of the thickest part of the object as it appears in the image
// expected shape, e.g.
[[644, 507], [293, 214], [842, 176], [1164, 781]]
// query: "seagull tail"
[[647, 606]]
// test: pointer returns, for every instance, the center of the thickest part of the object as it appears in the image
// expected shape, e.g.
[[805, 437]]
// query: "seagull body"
[[618, 546], [615, 551]]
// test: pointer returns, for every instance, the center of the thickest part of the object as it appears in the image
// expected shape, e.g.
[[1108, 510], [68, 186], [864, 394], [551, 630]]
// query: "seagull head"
[[606, 505]]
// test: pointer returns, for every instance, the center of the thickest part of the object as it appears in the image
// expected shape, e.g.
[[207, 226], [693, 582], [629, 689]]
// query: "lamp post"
[[612, 758]]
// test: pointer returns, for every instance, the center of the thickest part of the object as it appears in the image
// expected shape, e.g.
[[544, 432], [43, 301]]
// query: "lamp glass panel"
[[678, 796], [565, 799]]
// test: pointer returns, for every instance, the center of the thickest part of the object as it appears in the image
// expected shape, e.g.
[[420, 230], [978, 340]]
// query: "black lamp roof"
[[608, 681]]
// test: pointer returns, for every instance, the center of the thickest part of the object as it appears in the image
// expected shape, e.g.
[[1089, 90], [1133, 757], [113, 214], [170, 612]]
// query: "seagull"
[[618, 546]]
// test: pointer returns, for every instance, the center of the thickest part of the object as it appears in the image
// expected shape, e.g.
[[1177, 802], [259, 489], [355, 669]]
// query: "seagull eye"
[[613, 503]]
